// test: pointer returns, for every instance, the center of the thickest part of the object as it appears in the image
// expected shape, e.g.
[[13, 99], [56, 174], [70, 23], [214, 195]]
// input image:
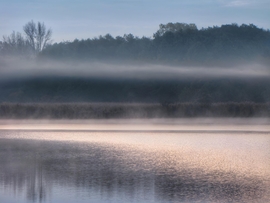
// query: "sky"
[[83, 19]]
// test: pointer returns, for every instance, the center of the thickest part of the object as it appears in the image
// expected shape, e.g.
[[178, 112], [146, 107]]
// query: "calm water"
[[161, 162]]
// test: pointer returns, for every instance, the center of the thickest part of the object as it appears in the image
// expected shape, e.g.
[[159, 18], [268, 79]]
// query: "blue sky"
[[82, 19]]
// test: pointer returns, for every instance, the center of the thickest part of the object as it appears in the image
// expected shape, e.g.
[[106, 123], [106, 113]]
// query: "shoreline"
[[133, 110]]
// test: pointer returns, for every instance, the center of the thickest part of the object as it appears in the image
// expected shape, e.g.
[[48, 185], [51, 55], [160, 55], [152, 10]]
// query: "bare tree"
[[37, 35], [15, 43]]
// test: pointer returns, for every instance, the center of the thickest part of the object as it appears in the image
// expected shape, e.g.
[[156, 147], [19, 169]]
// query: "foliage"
[[174, 43], [174, 28]]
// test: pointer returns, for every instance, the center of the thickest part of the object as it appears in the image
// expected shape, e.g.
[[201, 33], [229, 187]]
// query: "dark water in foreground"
[[114, 166]]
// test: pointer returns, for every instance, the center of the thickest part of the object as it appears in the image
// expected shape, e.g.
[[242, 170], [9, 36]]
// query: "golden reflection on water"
[[241, 150], [238, 152]]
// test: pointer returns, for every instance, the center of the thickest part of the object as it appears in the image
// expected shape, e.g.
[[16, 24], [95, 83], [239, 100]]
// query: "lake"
[[183, 160]]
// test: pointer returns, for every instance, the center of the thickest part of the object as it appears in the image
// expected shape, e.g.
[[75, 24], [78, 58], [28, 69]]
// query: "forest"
[[172, 44], [181, 71]]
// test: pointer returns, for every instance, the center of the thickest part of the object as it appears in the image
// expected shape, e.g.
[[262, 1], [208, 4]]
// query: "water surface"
[[139, 161]]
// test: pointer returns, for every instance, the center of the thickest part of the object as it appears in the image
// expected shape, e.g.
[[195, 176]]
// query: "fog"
[[13, 67], [157, 125], [40, 80]]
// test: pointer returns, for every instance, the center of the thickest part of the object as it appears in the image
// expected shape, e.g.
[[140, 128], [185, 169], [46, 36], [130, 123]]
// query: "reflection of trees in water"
[[36, 185], [35, 166], [21, 171]]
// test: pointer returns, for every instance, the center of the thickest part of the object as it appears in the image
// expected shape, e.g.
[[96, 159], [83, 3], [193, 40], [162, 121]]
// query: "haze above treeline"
[[177, 44]]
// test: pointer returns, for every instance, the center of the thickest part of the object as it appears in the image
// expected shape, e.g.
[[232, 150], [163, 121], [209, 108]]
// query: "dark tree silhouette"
[[38, 35], [176, 44], [15, 44], [36, 38]]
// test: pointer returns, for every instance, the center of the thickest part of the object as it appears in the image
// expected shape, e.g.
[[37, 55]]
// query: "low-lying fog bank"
[[14, 68], [41, 81], [232, 125]]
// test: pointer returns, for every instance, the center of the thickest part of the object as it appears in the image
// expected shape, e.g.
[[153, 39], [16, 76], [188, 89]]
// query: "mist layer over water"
[[18, 68], [136, 165]]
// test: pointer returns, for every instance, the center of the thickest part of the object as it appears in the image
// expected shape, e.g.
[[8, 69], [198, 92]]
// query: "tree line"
[[117, 90], [173, 43]]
